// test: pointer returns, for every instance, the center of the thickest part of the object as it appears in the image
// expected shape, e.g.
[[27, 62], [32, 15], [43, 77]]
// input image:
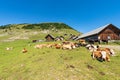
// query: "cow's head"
[[112, 52]]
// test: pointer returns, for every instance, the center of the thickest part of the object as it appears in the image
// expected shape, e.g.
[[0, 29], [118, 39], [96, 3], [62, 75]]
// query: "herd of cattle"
[[64, 45], [99, 53]]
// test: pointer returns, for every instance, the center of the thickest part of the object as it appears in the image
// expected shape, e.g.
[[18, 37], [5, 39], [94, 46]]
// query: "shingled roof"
[[96, 31]]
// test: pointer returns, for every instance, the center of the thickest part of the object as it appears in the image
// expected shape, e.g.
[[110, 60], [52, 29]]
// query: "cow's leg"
[[107, 58], [93, 55], [104, 54]]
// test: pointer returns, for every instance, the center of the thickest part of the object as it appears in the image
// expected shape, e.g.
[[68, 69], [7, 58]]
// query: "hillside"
[[34, 31]]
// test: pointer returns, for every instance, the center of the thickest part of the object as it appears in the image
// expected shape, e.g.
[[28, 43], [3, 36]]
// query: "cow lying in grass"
[[58, 46], [24, 50], [109, 51], [64, 45], [9, 48], [91, 47], [82, 42], [102, 54], [68, 45], [39, 46]]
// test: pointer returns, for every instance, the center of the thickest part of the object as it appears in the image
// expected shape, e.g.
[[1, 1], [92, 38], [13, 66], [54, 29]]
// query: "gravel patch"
[[115, 47]]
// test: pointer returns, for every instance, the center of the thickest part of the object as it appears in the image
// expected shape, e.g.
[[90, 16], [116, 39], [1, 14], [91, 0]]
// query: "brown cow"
[[58, 46], [24, 50], [101, 54], [82, 42], [109, 51], [66, 46], [39, 46]]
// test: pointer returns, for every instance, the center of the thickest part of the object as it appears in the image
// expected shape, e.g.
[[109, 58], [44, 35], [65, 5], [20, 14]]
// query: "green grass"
[[53, 64]]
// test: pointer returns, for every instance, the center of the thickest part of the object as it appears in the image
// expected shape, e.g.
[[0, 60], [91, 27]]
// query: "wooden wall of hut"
[[110, 33]]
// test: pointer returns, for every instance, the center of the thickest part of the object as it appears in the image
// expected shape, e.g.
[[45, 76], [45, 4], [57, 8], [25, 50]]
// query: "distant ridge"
[[49, 25]]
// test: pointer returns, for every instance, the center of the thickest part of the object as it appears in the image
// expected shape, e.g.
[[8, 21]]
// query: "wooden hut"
[[49, 38], [107, 32]]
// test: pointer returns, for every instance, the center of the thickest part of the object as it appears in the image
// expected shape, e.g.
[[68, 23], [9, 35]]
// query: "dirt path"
[[116, 47]]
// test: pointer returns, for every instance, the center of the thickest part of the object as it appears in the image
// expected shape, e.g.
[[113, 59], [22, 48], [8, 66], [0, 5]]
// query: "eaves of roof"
[[96, 31]]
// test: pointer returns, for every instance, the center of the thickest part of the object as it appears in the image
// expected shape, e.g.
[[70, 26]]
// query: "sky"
[[82, 15]]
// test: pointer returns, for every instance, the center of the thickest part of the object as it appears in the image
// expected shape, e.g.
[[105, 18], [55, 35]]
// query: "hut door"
[[108, 37]]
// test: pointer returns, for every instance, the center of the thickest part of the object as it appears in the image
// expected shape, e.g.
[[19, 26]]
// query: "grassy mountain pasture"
[[49, 63], [34, 34], [53, 64]]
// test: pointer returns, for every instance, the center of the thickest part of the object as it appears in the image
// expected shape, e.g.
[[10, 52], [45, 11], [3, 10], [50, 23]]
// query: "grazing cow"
[[24, 50]]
